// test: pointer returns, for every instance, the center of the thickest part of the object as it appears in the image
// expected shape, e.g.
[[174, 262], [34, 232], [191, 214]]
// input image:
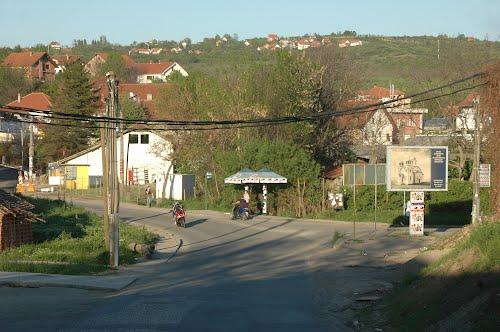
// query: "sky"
[[28, 22]]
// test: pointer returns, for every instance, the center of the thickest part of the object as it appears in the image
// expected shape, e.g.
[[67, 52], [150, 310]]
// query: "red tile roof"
[[35, 100], [153, 68], [468, 101], [129, 62], [22, 59], [66, 59], [378, 92]]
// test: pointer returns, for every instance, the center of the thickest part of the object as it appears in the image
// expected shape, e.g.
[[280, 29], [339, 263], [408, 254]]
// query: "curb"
[[42, 280]]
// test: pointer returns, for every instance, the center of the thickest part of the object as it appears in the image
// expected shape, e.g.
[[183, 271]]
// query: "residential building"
[[11, 125], [64, 60], [92, 67], [35, 65], [435, 126], [55, 45], [142, 162], [272, 37], [349, 43], [145, 95], [157, 72], [409, 121], [465, 120]]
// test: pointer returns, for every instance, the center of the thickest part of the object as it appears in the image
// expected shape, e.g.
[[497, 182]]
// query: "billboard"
[[363, 174], [417, 168]]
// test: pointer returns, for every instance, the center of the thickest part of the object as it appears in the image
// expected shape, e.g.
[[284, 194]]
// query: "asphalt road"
[[255, 275]]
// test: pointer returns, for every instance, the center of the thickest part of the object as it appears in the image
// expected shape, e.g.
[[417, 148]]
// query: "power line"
[[275, 120]]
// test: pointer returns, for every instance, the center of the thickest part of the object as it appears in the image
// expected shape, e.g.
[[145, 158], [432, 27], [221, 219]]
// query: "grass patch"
[[336, 236], [70, 241], [445, 292]]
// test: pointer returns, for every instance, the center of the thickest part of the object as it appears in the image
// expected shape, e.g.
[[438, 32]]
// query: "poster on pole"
[[417, 219], [417, 168], [485, 175]]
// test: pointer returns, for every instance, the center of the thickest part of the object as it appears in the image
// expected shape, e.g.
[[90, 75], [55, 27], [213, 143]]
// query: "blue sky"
[[28, 22]]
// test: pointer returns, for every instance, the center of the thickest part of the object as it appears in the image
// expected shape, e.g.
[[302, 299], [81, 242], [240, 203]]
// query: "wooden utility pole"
[[476, 202], [105, 182], [111, 167], [31, 152]]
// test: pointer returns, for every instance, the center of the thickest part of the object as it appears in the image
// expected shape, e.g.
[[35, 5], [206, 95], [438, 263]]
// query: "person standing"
[[246, 196], [149, 196]]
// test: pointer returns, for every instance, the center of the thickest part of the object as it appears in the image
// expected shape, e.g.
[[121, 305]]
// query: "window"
[[150, 78], [388, 137], [145, 139], [133, 139], [149, 96], [47, 66]]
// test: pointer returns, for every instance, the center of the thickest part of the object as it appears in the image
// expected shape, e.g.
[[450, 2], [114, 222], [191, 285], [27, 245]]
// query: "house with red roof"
[[145, 95], [55, 45], [34, 65], [409, 120], [92, 67], [64, 60], [37, 101], [157, 72]]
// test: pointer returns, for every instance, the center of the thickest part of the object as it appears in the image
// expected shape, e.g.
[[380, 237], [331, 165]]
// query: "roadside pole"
[[113, 185], [476, 201], [375, 196], [31, 152], [105, 183]]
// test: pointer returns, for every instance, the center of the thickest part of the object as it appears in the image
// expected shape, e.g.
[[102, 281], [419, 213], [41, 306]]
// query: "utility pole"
[[105, 182], [476, 202], [438, 49], [112, 189], [31, 152]]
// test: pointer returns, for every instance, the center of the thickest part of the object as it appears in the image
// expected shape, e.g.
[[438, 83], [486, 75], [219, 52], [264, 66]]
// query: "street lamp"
[[208, 176]]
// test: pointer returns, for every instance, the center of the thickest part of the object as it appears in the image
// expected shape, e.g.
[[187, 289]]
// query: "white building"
[[141, 163], [157, 72]]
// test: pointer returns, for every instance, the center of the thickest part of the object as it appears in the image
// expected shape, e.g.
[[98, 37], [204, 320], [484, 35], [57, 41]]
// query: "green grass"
[[446, 286], [70, 241], [336, 236]]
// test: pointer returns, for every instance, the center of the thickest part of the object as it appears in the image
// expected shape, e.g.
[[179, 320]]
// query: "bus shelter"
[[263, 176]]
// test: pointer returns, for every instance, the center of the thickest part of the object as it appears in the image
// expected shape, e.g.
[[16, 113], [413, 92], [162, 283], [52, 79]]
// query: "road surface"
[[257, 275]]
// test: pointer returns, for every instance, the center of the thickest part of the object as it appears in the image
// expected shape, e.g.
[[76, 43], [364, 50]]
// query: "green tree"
[[12, 82], [116, 64], [131, 109], [73, 96]]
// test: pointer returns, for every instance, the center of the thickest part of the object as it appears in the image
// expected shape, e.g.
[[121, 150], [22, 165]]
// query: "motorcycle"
[[179, 215], [239, 212]]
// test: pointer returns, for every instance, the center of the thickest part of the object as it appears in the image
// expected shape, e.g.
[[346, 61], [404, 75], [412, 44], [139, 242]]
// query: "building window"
[[388, 137], [150, 78], [47, 66], [133, 139], [149, 96], [145, 139]]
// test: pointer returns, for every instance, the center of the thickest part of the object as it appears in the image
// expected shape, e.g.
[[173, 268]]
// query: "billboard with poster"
[[417, 168]]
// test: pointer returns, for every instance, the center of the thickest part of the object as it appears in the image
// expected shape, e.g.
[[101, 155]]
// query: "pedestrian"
[[246, 196], [149, 196], [407, 211]]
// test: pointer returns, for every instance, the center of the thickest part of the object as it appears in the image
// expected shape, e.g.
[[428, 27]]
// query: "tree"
[[12, 82], [116, 64], [132, 109], [73, 96]]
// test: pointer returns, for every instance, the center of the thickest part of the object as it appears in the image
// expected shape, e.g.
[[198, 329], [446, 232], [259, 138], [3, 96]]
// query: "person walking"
[[149, 196]]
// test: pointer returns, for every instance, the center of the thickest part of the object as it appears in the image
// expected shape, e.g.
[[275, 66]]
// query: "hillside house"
[[63, 61], [92, 67], [409, 121], [145, 95], [349, 43], [142, 164], [11, 126], [272, 37], [55, 45], [465, 120], [34, 65], [157, 72]]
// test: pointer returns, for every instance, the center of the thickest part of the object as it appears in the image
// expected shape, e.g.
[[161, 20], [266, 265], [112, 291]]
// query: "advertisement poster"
[[417, 168], [417, 222]]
